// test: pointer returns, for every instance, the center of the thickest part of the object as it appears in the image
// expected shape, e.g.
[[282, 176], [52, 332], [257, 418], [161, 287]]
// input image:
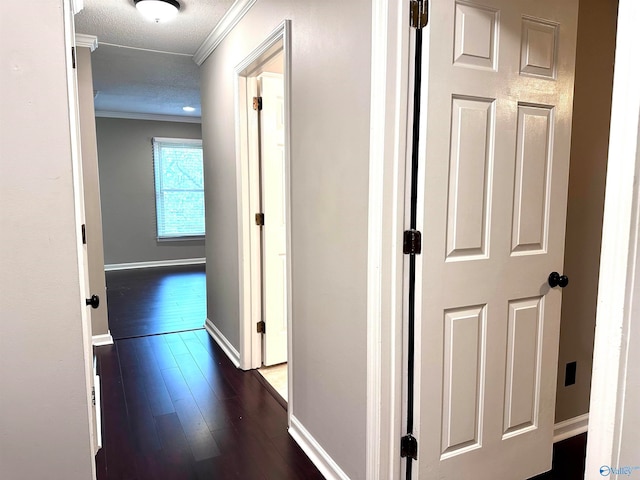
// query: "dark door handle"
[[94, 301], [557, 280]]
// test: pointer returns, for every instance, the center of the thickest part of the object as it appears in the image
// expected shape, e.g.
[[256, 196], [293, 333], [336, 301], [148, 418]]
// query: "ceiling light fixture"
[[158, 10], [188, 109]]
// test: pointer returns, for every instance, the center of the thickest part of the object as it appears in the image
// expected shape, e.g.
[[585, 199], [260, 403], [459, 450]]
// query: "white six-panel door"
[[495, 154], [274, 274], [78, 193]]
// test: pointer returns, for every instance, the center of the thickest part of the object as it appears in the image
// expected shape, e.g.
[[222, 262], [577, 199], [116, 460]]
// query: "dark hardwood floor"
[[568, 460], [174, 406], [156, 300]]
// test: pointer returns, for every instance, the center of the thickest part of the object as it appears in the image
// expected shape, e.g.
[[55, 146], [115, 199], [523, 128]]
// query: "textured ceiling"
[[146, 67], [139, 81]]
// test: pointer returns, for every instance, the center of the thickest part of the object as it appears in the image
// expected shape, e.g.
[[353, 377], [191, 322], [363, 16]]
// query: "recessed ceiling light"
[[188, 109], [158, 10]]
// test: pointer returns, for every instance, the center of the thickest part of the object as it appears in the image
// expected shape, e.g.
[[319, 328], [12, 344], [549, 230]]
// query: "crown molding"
[[222, 29], [90, 41], [148, 116]]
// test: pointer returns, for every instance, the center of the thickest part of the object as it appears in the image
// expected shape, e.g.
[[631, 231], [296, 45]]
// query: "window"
[[179, 183]]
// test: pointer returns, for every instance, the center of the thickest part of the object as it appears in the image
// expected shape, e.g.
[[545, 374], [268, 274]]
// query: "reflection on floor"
[[277, 377], [150, 301], [176, 408]]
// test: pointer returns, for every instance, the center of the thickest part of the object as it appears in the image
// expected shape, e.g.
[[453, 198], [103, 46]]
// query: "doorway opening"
[[264, 231]]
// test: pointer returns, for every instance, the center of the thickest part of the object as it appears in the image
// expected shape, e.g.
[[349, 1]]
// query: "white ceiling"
[[142, 67]]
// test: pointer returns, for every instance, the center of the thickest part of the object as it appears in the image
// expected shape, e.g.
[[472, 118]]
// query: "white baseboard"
[[102, 339], [156, 263], [570, 428], [320, 458], [223, 343]]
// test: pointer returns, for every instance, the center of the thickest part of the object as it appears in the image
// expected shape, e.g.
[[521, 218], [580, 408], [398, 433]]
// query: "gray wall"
[[90, 178], [127, 193], [329, 196], [44, 399], [589, 144]]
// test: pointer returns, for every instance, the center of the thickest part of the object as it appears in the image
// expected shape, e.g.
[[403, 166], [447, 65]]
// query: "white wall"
[[331, 51], [44, 423]]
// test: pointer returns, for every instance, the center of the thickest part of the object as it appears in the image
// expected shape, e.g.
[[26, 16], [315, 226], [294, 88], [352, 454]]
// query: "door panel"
[[463, 374], [469, 163], [476, 27], [496, 137], [521, 402], [78, 194], [531, 192], [274, 204]]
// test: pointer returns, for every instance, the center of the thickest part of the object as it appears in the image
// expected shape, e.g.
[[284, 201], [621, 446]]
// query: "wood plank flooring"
[[156, 300], [568, 460], [174, 407]]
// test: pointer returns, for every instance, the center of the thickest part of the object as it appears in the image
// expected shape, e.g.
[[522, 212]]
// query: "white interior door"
[[496, 126], [93, 380], [83, 264], [272, 155]]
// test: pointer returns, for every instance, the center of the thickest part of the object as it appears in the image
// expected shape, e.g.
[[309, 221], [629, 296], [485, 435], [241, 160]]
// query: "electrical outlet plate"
[[570, 374]]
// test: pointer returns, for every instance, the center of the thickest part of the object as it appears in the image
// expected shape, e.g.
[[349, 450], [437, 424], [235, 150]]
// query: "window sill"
[[194, 238]]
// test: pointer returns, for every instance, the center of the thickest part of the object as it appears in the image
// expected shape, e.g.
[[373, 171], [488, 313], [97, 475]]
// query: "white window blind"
[[179, 183]]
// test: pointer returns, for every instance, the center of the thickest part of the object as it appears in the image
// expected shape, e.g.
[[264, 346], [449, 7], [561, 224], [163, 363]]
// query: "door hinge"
[[260, 219], [419, 15], [409, 447], [73, 57], [412, 244], [257, 103], [84, 234], [261, 327], [93, 396]]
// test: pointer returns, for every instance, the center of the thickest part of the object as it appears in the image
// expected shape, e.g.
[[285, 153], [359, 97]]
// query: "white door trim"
[[246, 177], [618, 293], [388, 127]]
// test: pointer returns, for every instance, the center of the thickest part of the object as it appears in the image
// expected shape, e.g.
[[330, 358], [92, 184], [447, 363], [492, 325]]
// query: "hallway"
[[173, 405], [174, 408]]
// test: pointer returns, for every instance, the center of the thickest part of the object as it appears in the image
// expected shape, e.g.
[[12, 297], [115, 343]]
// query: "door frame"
[[247, 177], [390, 87], [618, 316], [389, 154]]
